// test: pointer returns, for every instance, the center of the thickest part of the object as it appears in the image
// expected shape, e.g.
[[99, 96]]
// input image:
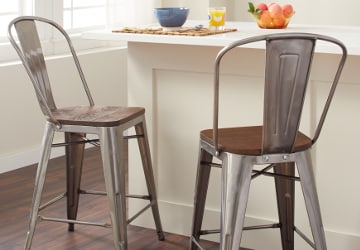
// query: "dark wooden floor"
[[16, 189]]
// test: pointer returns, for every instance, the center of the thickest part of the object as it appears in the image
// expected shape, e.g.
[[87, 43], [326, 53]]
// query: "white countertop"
[[349, 35]]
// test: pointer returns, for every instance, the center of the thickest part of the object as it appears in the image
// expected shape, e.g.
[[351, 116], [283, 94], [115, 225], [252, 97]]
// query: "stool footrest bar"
[[197, 243], [268, 174], [304, 237], [75, 221], [143, 197], [140, 212], [213, 231], [52, 201], [92, 192], [133, 136], [275, 225]]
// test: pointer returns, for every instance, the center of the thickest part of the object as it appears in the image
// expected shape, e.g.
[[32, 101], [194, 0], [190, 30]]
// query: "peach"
[[269, 4], [261, 6], [265, 19], [275, 10], [279, 22], [287, 10]]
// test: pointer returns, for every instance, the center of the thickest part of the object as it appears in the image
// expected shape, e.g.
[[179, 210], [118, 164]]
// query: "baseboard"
[[29, 157], [176, 218], [25, 158]]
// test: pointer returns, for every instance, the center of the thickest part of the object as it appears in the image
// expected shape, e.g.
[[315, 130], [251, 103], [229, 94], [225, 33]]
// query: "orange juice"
[[217, 17]]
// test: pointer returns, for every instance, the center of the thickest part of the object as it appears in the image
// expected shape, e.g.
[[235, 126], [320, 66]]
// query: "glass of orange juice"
[[217, 18]]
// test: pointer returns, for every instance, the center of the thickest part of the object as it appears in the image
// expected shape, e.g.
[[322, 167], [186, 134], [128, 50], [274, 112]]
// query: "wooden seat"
[[108, 123], [247, 140], [276, 144], [97, 116]]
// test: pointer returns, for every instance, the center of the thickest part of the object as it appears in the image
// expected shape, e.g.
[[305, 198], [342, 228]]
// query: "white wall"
[[198, 9], [22, 121], [343, 12]]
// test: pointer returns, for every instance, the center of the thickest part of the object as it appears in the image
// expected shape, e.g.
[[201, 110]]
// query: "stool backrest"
[[27, 44], [287, 68]]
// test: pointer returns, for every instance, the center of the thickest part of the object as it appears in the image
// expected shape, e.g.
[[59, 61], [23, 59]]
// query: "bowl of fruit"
[[272, 15]]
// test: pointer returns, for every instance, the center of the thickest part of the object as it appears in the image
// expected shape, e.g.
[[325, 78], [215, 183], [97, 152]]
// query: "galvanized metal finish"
[[111, 142], [308, 186], [201, 188], [74, 161], [114, 172], [235, 185], [40, 180], [144, 149], [285, 196], [288, 63], [32, 57]]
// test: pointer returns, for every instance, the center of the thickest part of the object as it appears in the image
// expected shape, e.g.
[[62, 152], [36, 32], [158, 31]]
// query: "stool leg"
[[285, 192], [149, 175], [201, 188], [113, 157], [39, 181], [236, 178], [307, 181], [74, 163]]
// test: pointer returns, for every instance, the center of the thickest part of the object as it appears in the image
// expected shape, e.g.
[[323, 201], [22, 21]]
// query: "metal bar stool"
[[107, 122], [277, 144]]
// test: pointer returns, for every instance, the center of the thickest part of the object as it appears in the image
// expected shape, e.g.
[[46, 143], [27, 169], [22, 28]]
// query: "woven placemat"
[[180, 32]]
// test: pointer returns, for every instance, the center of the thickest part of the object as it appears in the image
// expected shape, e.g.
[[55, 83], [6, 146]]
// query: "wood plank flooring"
[[16, 189]]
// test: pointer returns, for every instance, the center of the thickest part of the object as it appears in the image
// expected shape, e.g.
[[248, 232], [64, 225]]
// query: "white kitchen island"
[[171, 76]]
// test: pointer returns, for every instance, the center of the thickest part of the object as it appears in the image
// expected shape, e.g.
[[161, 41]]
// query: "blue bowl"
[[171, 17]]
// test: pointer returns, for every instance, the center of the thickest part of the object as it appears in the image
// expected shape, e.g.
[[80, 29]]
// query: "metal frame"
[[111, 143], [288, 63]]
